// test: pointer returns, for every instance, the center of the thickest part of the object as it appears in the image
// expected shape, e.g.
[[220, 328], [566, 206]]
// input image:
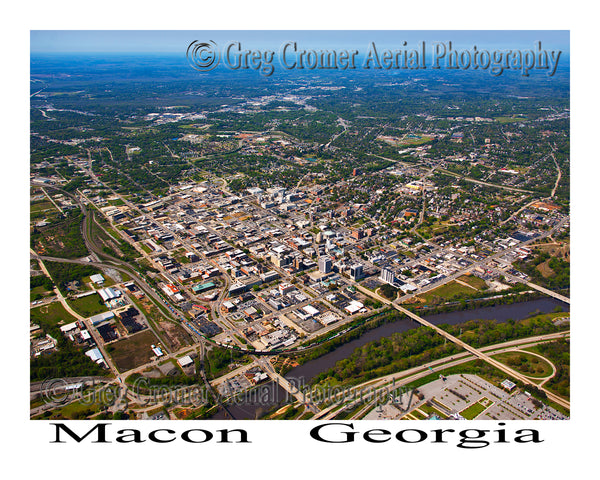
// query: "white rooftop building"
[[109, 294], [99, 279], [95, 355], [185, 361]]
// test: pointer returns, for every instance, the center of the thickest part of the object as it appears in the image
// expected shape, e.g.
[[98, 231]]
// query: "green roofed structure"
[[201, 287]]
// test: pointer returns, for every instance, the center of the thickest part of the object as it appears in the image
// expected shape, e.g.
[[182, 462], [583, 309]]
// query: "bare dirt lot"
[[133, 351]]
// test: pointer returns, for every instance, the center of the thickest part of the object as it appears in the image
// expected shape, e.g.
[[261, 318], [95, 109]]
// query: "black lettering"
[[316, 433], [368, 435], [501, 434], [186, 436], [225, 436], [400, 436], [534, 434], [137, 436], [152, 435], [100, 438], [468, 441], [439, 435]]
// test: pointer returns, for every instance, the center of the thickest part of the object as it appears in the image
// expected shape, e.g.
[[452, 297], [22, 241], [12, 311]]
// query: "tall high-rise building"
[[387, 276], [325, 264], [356, 271]]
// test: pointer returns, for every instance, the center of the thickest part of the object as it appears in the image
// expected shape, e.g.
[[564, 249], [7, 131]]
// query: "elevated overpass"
[[478, 353], [544, 290]]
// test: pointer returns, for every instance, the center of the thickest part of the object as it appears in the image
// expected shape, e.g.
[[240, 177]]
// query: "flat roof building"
[[325, 264], [356, 271], [99, 279], [185, 361], [95, 355], [109, 294], [101, 317]]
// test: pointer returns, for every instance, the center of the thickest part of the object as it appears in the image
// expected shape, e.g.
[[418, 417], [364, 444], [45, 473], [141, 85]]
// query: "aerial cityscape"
[[323, 244]]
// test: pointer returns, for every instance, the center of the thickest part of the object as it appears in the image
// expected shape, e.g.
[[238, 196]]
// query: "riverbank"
[[500, 313]]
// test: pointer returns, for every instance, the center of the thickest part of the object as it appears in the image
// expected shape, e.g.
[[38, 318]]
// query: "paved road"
[[539, 288], [86, 321], [479, 182], [480, 263], [402, 378], [480, 354]]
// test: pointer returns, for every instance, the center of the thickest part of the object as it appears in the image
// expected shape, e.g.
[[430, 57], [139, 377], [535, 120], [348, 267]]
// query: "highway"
[[123, 266], [110, 261], [539, 288], [477, 352], [479, 182], [374, 388], [483, 356]]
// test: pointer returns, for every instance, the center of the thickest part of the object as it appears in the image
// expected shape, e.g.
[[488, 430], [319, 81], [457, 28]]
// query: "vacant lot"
[[88, 305], [445, 293], [62, 239], [41, 206], [38, 293], [560, 250], [474, 281], [133, 351], [545, 270], [174, 335], [53, 313]]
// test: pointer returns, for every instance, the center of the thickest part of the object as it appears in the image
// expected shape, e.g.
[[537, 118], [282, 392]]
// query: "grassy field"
[[510, 119], [429, 409], [474, 281], [124, 277], [445, 293], [414, 415], [51, 215], [437, 228], [290, 413], [533, 316], [133, 351], [475, 409], [558, 353], [38, 292], [82, 409], [40, 206], [53, 313], [560, 250], [525, 363], [415, 139], [88, 305], [307, 416]]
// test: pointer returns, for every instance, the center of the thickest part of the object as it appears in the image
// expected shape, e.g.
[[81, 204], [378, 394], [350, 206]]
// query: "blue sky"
[[176, 41]]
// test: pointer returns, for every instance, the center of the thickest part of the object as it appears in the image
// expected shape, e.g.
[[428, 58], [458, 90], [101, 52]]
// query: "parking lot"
[[458, 392]]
